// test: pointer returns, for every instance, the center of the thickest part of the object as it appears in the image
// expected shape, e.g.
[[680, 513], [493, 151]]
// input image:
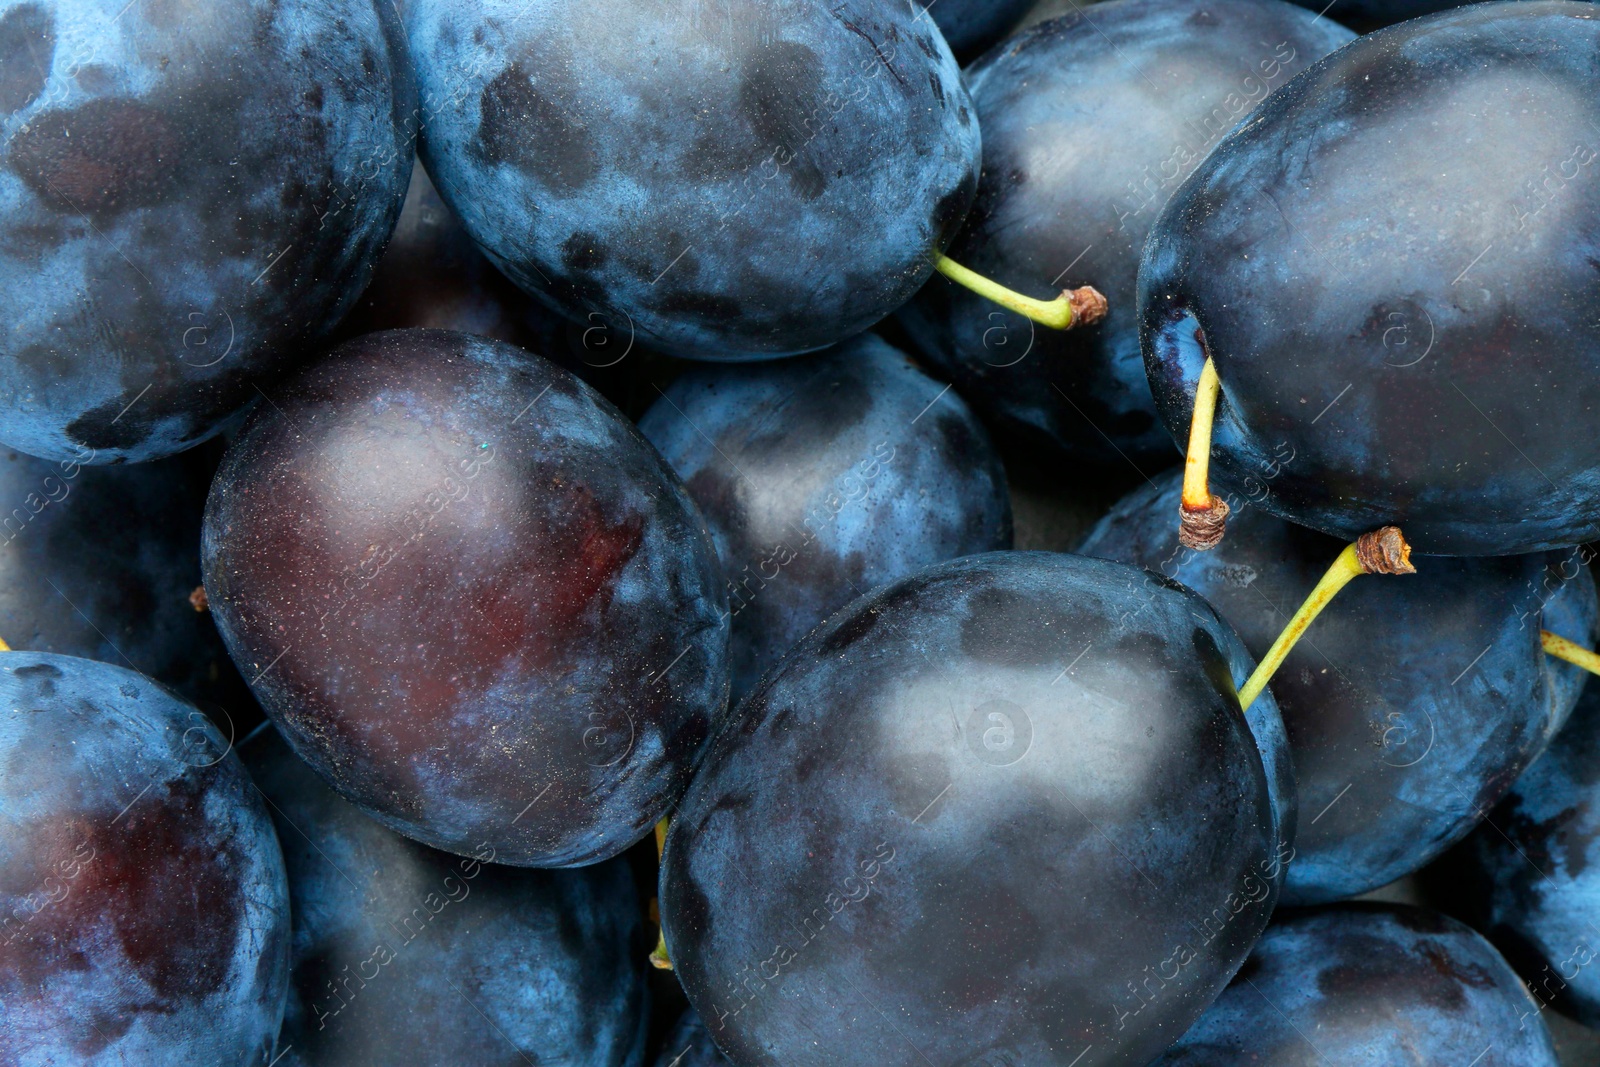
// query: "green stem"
[[1074, 307]]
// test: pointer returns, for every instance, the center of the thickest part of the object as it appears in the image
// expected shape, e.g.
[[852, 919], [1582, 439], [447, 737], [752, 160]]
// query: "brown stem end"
[[198, 599], [1088, 305], [1384, 551], [1201, 528]]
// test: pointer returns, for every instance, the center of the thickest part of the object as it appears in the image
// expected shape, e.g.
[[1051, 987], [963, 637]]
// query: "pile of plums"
[[784, 532]]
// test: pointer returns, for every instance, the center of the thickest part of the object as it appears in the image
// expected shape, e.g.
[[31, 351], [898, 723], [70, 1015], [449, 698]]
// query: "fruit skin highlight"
[[1044, 751], [403, 955], [144, 911], [191, 196], [1438, 373], [1090, 122], [1411, 705], [761, 179], [1369, 983], [471, 595], [824, 478]]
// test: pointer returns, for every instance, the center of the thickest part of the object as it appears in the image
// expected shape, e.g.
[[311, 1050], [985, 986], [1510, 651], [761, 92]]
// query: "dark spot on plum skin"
[[583, 252], [520, 126], [101, 159], [27, 50], [778, 97], [152, 867]]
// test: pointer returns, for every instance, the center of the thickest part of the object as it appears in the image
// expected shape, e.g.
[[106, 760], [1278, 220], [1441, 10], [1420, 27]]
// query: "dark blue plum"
[[471, 595], [144, 911], [755, 179], [404, 956], [1413, 703], [1421, 336], [103, 564], [1090, 120], [1369, 14], [690, 1045], [970, 26], [191, 195], [824, 477], [1530, 877], [432, 276], [1369, 984], [1005, 810]]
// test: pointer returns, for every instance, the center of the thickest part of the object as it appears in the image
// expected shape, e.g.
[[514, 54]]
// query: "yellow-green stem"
[[1570, 651], [1382, 551], [1074, 307], [1202, 518], [659, 958]]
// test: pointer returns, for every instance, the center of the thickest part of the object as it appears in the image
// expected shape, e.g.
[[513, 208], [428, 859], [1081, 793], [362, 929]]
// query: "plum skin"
[[183, 214], [399, 952], [1090, 120], [144, 910], [890, 770], [1411, 705], [448, 533], [823, 478], [1529, 877], [765, 186], [1437, 371], [1368, 983]]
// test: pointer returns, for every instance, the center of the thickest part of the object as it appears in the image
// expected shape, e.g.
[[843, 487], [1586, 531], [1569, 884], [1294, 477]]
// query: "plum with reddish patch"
[[191, 195], [144, 912], [471, 595]]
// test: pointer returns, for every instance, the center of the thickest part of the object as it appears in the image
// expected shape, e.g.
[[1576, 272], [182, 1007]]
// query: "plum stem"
[[1202, 518], [1572, 652], [1084, 306], [3, 646], [1382, 551], [659, 959]]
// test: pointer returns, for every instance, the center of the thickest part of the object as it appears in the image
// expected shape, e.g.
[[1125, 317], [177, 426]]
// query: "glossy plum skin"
[[144, 911], [401, 953], [997, 798], [1378, 984], [471, 595], [970, 26], [190, 196], [1436, 368], [824, 477], [1413, 702], [1090, 120], [766, 178], [1529, 877], [1366, 15], [100, 563]]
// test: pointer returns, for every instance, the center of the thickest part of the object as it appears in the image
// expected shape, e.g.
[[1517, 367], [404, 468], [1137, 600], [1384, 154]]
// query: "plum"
[[1366, 15], [1090, 121], [1378, 984], [970, 26], [690, 1045], [1420, 337], [191, 195], [733, 180], [1529, 878], [824, 477], [144, 911], [1412, 707], [402, 955], [103, 563], [1004, 810], [471, 595]]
